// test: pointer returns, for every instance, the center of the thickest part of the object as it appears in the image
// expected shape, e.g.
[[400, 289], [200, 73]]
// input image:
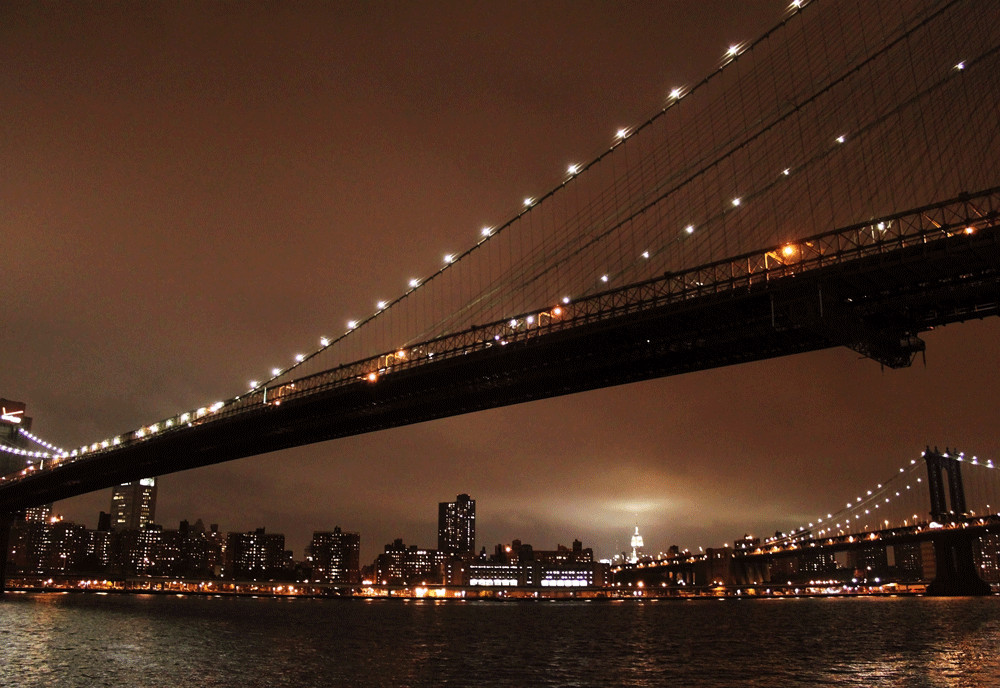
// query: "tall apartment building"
[[335, 557], [256, 555], [457, 526]]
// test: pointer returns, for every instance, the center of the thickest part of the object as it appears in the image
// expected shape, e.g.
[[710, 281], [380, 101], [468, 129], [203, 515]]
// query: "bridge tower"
[[949, 465], [955, 565]]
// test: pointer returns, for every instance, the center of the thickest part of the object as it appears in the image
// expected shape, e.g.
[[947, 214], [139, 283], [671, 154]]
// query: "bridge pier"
[[956, 574]]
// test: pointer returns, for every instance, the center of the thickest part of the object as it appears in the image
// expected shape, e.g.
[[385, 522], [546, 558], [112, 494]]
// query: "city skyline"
[[170, 237]]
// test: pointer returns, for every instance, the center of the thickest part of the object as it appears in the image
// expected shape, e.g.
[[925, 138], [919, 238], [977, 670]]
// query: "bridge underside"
[[875, 305]]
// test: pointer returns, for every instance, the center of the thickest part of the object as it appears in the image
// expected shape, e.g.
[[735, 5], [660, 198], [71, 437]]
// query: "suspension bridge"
[[947, 538], [831, 183]]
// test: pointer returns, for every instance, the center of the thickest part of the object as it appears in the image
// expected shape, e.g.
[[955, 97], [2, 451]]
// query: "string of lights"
[[39, 441], [867, 511]]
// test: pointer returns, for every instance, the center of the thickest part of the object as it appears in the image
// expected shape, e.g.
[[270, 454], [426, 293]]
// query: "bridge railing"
[[967, 214]]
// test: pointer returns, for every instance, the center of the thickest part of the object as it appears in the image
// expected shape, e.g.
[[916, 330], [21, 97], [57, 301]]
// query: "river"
[[75, 639]]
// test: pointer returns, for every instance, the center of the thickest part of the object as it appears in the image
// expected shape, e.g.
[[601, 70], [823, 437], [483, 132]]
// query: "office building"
[[133, 505]]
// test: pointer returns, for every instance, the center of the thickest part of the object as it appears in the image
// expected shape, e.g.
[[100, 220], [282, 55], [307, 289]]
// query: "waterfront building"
[[520, 565], [402, 565], [564, 556], [53, 546], [97, 549], [908, 563], [334, 557], [457, 526], [987, 557], [256, 555]]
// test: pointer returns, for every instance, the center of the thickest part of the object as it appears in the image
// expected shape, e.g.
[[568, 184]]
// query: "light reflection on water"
[[118, 640]]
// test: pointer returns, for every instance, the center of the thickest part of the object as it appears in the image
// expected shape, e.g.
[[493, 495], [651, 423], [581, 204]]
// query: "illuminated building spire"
[[636, 545]]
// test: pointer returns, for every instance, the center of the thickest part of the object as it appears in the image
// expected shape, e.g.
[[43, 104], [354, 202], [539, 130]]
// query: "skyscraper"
[[457, 526], [133, 505]]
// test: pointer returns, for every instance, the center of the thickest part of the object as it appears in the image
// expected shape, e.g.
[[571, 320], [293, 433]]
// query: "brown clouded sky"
[[190, 191]]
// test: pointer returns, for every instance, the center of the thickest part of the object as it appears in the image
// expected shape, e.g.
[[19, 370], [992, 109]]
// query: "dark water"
[[90, 640]]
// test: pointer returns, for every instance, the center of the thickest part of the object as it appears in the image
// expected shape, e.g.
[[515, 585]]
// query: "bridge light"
[[573, 169], [789, 251], [414, 283], [253, 384], [351, 324], [486, 231], [530, 320], [299, 358], [737, 201], [676, 93], [381, 305], [970, 230], [275, 372], [734, 50], [689, 229], [960, 66], [604, 278], [449, 258], [557, 311], [787, 171], [621, 133], [565, 299], [645, 254], [528, 201], [323, 341], [372, 377], [841, 138]]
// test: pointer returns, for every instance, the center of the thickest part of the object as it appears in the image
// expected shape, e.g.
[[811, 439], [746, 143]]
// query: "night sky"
[[192, 192]]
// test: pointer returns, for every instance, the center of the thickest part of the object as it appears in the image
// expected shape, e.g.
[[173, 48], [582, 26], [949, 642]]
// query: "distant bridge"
[[937, 537]]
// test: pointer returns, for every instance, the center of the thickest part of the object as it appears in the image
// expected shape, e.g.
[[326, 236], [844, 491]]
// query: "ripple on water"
[[86, 640]]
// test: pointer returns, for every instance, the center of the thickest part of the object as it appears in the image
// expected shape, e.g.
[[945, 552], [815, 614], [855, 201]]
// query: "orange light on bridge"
[[372, 377], [557, 311], [788, 251], [970, 230]]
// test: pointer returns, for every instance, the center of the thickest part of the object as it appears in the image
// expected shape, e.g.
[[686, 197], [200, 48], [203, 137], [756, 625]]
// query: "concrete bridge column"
[[956, 568]]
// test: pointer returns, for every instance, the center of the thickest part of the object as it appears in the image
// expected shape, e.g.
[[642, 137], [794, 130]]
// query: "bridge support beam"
[[891, 342]]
